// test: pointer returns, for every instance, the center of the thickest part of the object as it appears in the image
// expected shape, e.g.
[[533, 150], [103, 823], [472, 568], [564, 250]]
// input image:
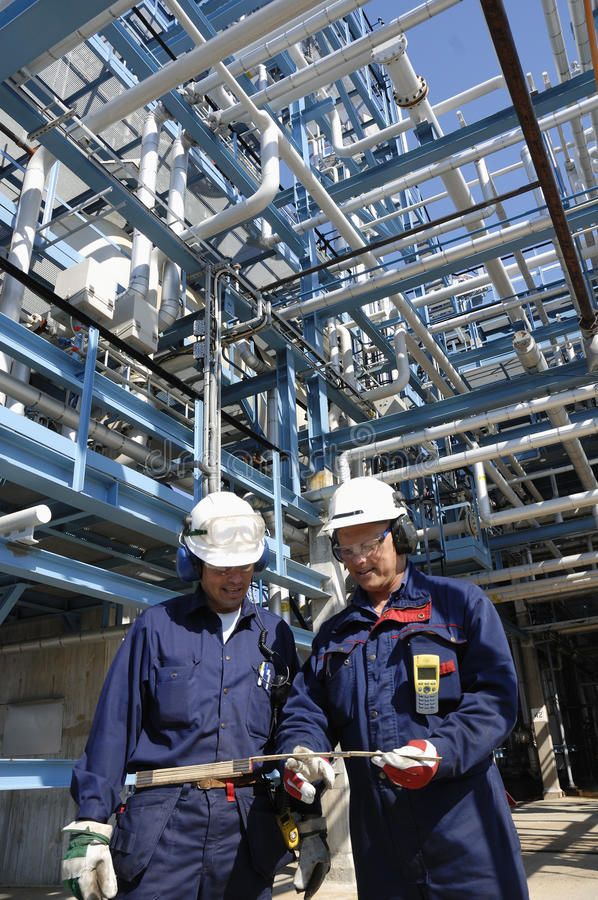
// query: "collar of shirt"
[[202, 605], [409, 593]]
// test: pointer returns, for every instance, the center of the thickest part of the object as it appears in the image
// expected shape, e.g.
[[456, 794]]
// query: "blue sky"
[[453, 50]]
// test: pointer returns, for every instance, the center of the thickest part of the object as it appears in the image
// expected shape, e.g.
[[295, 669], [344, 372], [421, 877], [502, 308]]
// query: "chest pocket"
[[449, 649], [259, 708], [336, 668], [174, 691]]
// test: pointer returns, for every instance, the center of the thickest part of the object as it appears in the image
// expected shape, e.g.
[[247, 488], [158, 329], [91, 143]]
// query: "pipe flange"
[[413, 99]]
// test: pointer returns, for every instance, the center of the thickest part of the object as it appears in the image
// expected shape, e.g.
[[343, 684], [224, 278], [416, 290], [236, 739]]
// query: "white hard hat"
[[225, 531], [362, 500]]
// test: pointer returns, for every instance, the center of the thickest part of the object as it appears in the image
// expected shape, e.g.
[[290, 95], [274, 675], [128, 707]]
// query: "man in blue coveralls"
[[429, 816], [198, 679]]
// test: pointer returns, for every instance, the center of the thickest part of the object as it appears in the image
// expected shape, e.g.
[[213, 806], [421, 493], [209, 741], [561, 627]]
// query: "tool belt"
[[206, 784]]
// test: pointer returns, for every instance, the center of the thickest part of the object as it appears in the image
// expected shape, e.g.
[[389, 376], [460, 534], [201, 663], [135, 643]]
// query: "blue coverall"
[[453, 839], [177, 695]]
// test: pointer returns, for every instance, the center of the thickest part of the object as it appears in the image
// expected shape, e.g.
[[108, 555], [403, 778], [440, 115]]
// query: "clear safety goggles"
[[357, 551], [224, 531]]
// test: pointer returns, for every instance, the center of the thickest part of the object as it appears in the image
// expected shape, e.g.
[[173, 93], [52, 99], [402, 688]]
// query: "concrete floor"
[[560, 852]]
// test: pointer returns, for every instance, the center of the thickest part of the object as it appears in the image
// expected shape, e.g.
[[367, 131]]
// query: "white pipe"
[[492, 451], [344, 151], [582, 42], [555, 34], [77, 37], [533, 360], [141, 250], [393, 276], [21, 248], [480, 313], [536, 568], [417, 177], [574, 582], [466, 220], [257, 53], [171, 279], [478, 281], [336, 65], [399, 383], [176, 72], [585, 393], [251, 206], [24, 519]]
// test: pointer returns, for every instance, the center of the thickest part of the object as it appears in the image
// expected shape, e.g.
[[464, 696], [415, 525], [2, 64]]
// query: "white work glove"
[[87, 870], [314, 857], [300, 774], [403, 767]]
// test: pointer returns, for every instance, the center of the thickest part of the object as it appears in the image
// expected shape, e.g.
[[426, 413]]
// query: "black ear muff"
[[263, 561], [404, 534], [188, 566]]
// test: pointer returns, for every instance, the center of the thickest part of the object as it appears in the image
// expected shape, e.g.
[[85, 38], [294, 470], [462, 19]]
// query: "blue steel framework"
[[109, 513]]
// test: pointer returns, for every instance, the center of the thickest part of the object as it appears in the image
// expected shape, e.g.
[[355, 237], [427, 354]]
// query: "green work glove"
[[87, 870], [314, 856]]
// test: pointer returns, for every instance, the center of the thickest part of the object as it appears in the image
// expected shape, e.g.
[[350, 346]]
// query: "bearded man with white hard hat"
[[198, 679], [417, 670]]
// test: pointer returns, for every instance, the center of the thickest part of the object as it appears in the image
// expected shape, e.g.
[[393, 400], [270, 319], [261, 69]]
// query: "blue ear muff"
[[263, 560], [188, 566]]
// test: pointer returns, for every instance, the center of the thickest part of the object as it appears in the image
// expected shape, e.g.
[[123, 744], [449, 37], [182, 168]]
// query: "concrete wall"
[[31, 841]]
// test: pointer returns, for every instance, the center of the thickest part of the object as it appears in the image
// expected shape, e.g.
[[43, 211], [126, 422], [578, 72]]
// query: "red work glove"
[[403, 767], [300, 774]]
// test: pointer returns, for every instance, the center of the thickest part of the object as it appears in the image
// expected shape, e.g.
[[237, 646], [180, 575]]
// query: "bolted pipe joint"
[[527, 351]]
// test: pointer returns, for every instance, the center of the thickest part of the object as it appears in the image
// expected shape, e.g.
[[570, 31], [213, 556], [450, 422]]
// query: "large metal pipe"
[[252, 206], [493, 451], [485, 420], [251, 56], [178, 71], [171, 278], [546, 588], [575, 561]]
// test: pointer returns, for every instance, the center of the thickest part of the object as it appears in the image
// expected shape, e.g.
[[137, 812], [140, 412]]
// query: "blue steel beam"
[[28, 347], [69, 574], [554, 98], [577, 218], [580, 526], [9, 598], [40, 460], [29, 27], [46, 460], [521, 388]]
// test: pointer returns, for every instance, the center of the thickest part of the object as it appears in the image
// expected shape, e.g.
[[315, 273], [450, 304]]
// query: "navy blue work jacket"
[[455, 837], [175, 695]]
